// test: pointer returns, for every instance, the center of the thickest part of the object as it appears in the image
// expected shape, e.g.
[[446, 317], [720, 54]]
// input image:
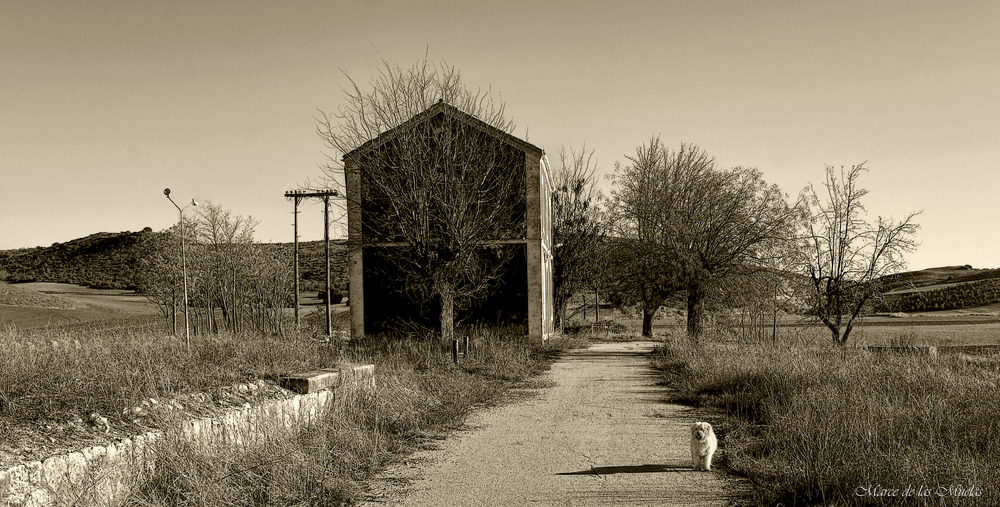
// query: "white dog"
[[703, 445]]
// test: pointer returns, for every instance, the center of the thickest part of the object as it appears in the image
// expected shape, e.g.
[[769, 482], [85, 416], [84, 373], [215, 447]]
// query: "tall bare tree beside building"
[[436, 192], [845, 254], [577, 225]]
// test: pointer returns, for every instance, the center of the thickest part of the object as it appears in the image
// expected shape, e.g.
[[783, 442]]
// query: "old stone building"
[[522, 294]]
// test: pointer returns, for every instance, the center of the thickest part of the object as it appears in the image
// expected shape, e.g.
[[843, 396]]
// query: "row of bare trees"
[[679, 226], [234, 283], [439, 195], [684, 223]]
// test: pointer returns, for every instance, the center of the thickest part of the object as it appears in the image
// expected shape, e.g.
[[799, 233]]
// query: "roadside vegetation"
[[420, 395], [111, 367], [818, 425], [107, 369]]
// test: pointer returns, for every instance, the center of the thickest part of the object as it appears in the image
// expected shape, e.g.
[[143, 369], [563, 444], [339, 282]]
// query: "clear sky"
[[104, 104]]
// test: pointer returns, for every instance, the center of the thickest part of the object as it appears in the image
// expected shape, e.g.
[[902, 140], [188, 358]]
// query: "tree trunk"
[[447, 314], [173, 315], [695, 310], [647, 322], [562, 314], [597, 307]]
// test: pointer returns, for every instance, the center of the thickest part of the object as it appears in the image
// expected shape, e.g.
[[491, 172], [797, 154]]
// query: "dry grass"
[[813, 425], [420, 395], [115, 367]]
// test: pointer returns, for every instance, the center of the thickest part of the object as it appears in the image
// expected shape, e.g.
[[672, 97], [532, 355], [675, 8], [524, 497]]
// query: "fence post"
[[466, 346], [454, 350]]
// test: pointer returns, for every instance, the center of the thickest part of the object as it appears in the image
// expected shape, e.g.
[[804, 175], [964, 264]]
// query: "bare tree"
[[577, 225], [159, 278], [646, 276], [845, 255], [437, 192], [702, 222], [235, 283]]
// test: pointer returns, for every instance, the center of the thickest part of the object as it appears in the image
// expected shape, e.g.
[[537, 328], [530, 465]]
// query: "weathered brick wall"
[[103, 475]]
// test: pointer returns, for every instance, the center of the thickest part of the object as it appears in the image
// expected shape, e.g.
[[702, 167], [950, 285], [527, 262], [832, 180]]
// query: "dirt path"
[[601, 435]]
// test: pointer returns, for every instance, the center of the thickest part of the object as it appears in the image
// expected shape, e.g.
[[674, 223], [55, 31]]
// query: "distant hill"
[[109, 260], [943, 288], [105, 260], [312, 265]]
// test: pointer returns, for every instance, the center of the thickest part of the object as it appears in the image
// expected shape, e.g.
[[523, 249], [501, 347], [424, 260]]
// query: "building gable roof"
[[446, 109]]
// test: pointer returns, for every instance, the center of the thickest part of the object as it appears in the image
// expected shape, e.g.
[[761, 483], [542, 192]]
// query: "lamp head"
[[166, 192], [194, 202]]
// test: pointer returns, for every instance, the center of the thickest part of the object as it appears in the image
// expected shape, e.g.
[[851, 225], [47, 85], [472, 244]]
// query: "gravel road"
[[600, 435]]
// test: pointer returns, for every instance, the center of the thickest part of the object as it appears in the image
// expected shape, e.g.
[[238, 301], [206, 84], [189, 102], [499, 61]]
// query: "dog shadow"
[[631, 469]]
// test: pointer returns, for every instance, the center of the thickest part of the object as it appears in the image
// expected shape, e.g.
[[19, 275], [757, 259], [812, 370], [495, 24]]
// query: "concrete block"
[[310, 382]]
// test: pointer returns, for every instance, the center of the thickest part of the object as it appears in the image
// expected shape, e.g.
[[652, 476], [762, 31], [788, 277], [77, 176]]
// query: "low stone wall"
[[103, 475]]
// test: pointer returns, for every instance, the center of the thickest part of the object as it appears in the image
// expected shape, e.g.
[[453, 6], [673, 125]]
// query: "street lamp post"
[[180, 212]]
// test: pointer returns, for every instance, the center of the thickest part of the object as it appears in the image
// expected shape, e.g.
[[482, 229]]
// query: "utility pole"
[[326, 243], [295, 242], [297, 196]]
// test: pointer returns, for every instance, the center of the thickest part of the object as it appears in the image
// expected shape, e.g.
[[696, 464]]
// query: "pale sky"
[[104, 104]]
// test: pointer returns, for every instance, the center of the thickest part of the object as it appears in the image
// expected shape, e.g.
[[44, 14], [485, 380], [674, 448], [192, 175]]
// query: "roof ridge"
[[442, 107]]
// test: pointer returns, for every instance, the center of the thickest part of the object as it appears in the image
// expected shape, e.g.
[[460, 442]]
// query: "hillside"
[[102, 260], [312, 265], [108, 260], [943, 288], [924, 278]]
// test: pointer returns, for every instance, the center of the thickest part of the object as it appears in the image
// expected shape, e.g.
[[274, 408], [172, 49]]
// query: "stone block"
[[311, 382], [76, 467]]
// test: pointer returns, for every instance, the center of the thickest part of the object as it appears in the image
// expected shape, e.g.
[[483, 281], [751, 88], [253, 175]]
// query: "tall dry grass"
[[818, 426], [113, 368], [420, 394]]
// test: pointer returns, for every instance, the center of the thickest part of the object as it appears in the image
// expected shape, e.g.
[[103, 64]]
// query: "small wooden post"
[[466, 346], [597, 307], [454, 350]]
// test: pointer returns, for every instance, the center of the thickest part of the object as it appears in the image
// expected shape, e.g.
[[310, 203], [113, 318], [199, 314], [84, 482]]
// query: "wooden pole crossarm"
[[325, 195]]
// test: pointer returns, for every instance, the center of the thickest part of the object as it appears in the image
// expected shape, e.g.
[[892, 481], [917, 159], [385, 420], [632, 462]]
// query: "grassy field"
[[112, 365], [47, 392], [813, 425], [41, 304]]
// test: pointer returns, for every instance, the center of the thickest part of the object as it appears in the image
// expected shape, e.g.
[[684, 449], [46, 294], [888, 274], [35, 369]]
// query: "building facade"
[[523, 292]]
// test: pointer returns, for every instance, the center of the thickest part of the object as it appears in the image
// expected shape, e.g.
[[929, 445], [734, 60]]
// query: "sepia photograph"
[[469, 253]]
